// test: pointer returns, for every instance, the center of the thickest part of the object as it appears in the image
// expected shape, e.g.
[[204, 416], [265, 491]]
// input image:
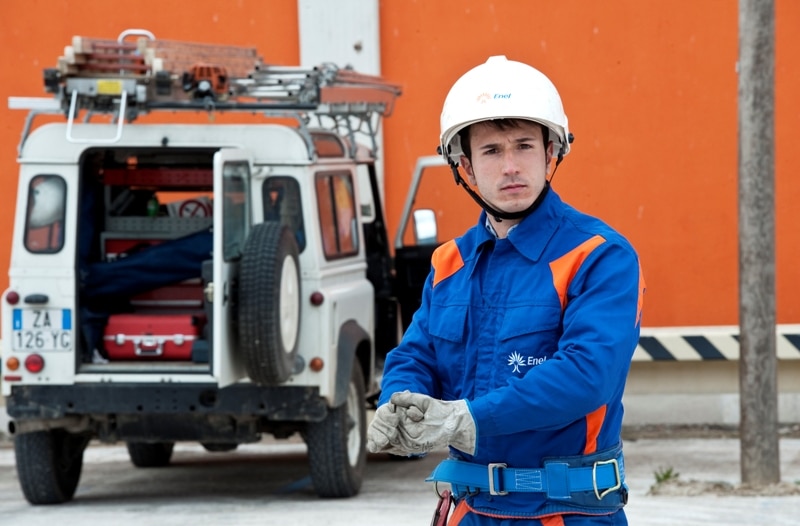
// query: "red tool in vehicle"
[[151, 337]]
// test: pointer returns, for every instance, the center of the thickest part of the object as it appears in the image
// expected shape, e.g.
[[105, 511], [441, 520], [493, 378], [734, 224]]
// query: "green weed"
[[665, 474]]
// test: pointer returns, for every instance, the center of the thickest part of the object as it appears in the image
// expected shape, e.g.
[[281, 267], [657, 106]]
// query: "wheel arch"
[[353, 343]]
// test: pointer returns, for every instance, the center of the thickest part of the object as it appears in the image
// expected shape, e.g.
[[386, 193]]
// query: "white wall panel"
[[345, 32], [340, 31]]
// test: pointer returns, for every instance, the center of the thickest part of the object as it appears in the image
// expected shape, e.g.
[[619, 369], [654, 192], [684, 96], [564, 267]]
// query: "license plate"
[[41, 330]]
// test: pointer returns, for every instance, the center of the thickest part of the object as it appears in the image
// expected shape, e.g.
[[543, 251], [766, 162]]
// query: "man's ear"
[[548, 156], [464, 161]]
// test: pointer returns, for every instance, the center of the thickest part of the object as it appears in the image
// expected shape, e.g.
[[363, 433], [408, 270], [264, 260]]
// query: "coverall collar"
[[532, 234]]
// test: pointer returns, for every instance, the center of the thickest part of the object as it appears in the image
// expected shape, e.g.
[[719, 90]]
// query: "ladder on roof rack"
[[128, 78]]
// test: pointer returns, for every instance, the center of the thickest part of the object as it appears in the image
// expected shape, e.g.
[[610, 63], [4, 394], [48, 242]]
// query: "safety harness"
[[592, 483]]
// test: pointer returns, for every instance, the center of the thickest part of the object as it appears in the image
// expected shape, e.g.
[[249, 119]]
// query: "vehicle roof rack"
[[127, 78]]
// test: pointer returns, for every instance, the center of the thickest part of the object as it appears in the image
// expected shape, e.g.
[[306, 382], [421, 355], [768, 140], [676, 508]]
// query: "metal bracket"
[[73, 114]]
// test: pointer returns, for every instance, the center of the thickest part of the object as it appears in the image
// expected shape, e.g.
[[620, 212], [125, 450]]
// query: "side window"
[[337, 214], [235, 209], [44, 223], [281, 196]]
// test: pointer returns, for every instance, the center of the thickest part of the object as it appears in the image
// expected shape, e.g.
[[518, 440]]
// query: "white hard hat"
[[502, 89]]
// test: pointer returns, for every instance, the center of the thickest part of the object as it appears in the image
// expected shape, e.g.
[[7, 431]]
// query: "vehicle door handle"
[[36, 299]]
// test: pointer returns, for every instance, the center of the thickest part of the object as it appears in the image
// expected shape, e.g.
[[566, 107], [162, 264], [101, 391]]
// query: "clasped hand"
[[416, 423]]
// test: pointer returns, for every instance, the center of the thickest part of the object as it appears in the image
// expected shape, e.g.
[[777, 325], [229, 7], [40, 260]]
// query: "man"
[[518, 355]]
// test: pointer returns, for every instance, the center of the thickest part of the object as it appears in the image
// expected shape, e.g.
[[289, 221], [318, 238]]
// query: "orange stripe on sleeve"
[[446, 261], [642, 288], [594, 421], [565, 267], [555, 520]]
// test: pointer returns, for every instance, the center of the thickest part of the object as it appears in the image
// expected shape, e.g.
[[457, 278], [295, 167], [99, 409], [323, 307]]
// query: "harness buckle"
[[597, 492], [493, 468]]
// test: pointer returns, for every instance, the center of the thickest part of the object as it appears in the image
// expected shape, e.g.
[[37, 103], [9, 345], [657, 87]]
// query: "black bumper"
[[244, 400]]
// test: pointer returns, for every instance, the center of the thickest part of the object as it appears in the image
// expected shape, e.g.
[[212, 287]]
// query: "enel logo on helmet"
[[485, 97]]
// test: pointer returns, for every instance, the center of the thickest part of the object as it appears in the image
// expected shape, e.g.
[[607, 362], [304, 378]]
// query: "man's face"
[[509, 166]]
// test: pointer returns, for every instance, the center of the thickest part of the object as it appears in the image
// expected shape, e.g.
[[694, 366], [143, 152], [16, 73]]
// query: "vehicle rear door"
[[232, 220]]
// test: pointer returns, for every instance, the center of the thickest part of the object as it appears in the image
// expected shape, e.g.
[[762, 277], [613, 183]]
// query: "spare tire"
[[269, 303]]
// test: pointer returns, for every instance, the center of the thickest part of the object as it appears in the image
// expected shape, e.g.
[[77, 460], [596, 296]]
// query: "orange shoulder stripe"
[[446, 261], [565, 267]]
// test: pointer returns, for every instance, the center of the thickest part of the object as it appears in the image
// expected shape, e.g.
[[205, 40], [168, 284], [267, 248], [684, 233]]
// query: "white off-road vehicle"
[[202, 281]]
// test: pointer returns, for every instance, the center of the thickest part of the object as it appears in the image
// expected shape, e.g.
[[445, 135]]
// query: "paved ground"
[[267, 483]]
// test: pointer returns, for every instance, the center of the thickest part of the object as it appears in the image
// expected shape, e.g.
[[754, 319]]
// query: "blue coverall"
[[536, 331]]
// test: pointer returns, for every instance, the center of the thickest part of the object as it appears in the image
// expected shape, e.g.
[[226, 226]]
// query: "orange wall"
[[649, 87]]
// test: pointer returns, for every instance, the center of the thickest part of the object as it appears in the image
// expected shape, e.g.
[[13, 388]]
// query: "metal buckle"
[[615, 487], [492, 468]]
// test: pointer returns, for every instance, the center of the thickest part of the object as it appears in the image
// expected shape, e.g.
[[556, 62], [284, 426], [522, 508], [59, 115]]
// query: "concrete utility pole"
[[760, 463]]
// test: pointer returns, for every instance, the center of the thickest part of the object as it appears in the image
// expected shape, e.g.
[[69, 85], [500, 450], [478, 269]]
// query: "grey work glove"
[[382, 431], [427, 424]]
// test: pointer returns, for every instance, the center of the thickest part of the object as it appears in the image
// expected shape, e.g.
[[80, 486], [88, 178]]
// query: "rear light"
[[316, 364], [34, 363], [12, 364], [317, 298], [12, 298]]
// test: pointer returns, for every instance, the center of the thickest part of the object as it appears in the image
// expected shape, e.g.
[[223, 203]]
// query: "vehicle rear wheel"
[[269, 303], [337, 451], [150, 454], [49, 464]]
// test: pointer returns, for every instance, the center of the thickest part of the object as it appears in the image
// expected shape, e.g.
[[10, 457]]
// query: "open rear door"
[[232, 218], [412, 255]]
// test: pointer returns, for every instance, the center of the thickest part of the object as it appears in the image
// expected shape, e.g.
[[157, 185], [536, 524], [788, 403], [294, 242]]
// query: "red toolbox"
[[150, 336]]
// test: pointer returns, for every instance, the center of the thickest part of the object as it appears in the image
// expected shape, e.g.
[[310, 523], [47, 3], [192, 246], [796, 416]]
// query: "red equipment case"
[[151, 337]]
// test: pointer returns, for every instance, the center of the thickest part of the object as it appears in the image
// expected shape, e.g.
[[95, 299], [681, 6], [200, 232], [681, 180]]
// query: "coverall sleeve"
[[412, 364], [600, 332]]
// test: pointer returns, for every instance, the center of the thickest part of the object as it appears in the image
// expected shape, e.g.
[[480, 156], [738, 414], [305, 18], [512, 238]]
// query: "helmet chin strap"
[[499, 215]]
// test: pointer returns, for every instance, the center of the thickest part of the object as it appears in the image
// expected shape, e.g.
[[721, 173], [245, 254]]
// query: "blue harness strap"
[[592, 480]]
